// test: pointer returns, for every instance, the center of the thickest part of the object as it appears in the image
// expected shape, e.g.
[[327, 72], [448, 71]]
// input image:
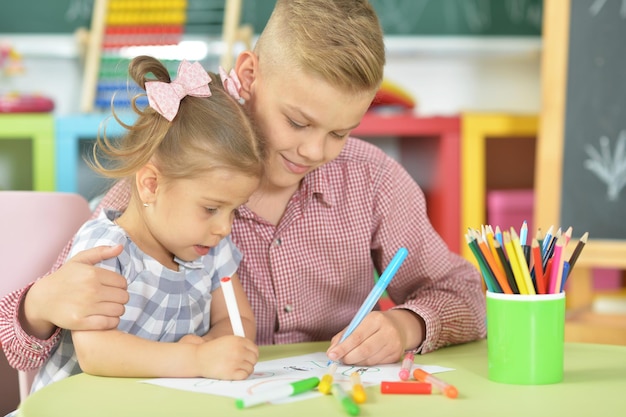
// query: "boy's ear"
[[147, 181], [247, 67]]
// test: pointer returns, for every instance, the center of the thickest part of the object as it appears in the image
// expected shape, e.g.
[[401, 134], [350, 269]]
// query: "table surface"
[[594, 384]]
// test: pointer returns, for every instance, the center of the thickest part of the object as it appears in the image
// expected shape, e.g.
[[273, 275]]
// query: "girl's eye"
[[295, 125], [211, 210]]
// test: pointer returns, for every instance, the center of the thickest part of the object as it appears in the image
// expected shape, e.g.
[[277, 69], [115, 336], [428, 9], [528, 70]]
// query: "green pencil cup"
[[525, 338]]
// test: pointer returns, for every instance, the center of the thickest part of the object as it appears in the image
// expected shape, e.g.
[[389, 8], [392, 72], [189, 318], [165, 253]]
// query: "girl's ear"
[[147, 182], [247, 67]]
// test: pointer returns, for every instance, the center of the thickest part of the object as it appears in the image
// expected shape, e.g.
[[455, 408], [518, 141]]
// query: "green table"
[[594, 384]]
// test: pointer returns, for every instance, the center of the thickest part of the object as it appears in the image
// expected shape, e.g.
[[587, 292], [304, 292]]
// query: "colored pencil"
[[506, 266], [577, 250], [500, 262], [550, 250], [491, 262], [490, 242], [485, 272], [556, 274], [538, 267], [539, 237], [515, 264], [523, 234], [568, 235], [498, 236], [546, 242], [523, 264]]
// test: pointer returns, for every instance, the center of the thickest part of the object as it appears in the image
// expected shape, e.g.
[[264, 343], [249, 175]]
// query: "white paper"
[[281, 371]]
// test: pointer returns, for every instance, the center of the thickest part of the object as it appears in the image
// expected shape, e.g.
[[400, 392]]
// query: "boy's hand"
[[382, 337], [78, 296]]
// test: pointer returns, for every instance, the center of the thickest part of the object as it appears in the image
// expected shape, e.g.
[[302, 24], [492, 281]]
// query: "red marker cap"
[[395, 387]]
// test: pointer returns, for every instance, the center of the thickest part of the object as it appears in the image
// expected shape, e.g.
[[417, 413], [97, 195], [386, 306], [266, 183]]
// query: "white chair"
[[35, 226]]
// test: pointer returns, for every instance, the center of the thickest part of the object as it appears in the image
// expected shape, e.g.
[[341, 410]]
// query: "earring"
[[146, 204]]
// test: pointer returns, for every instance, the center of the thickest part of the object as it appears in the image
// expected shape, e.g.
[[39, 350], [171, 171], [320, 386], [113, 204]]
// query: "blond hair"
[[339, 40], [206, 133]]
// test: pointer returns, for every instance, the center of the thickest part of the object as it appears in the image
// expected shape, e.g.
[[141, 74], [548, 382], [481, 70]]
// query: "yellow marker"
[[327, 380], [358, 392]]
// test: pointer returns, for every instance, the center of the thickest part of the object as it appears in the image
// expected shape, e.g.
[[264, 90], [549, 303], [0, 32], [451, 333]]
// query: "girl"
[[191, 159]]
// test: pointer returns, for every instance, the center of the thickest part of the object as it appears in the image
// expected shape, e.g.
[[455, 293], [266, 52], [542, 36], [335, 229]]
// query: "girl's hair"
[[339, 40], [206, 133]]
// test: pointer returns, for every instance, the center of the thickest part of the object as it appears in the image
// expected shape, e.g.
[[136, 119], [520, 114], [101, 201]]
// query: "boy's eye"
[[339, 135]]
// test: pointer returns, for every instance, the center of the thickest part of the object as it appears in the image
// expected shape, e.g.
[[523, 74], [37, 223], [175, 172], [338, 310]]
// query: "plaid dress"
[[164, 305]]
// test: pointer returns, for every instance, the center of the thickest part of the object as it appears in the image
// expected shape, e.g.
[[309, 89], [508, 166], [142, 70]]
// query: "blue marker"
[[376, 292]]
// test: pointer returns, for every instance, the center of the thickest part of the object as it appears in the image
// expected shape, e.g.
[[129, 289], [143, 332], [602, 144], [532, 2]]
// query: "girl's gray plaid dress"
[[164, 305]]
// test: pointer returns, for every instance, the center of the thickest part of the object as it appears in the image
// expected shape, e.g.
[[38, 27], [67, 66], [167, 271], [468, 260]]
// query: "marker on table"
[[278, 393], [447, 389], [358, 392], [376, 292], [346, 402], [396, 387], [407, 363], [327, 379], [231, 306]]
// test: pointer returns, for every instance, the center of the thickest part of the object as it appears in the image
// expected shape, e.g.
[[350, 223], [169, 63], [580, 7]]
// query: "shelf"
[[33, 133], [478, 130]]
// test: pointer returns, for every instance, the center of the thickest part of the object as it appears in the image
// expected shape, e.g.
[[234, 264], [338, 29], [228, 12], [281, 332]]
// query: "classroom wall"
[[446, 75]]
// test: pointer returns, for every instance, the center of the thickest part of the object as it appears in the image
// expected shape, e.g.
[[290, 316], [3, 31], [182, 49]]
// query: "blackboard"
[[398, 17], [594, 185], [581, 175], [439, 17]]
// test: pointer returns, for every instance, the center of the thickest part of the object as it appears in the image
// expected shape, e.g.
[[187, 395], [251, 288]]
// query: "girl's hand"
[[227, 358], [191, 339]]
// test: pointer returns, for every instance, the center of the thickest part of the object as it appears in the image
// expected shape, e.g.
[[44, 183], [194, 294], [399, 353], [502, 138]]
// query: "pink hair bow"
[[231, 82], [191, 80]]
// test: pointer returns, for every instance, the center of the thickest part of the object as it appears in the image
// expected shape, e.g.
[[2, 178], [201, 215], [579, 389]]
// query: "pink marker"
[[407, 363]]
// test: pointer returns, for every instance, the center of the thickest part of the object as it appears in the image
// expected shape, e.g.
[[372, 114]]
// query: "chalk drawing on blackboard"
[[79, 10], [597, 6], [610, 169]]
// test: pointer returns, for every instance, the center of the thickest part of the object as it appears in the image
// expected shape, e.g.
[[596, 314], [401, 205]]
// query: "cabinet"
[[497, 152], [75, 137], [27, 155]]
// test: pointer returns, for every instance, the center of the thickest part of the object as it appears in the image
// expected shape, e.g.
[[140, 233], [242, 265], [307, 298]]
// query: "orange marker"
[[447, 389], [397, 387]]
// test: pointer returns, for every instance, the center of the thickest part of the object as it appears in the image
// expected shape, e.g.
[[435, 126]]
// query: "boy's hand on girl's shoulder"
[[227, 358], [95, 302]]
